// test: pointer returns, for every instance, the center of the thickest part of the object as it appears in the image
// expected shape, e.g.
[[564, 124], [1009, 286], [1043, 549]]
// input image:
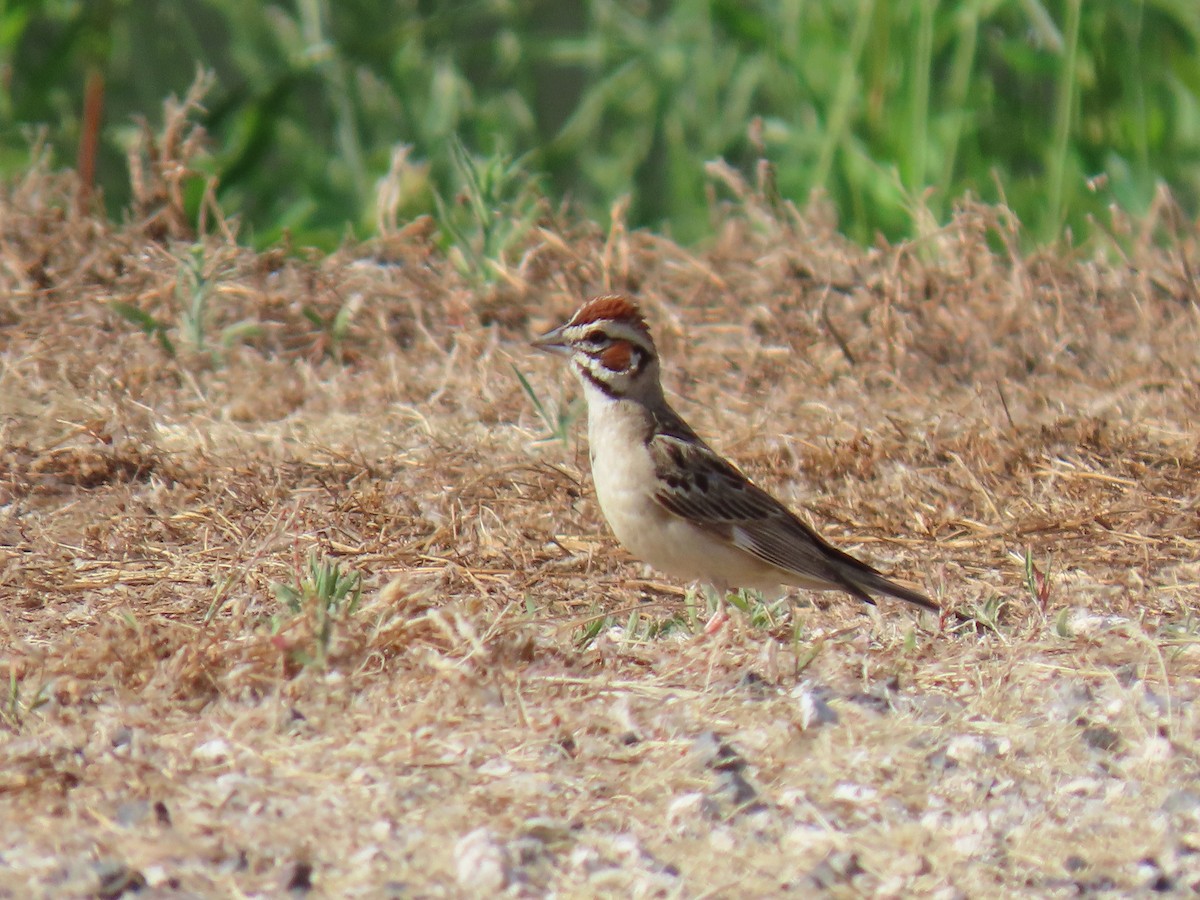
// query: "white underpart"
[[623, 472]]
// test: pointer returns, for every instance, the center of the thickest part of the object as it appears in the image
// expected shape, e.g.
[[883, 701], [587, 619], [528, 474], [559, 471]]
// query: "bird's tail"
[[863, 583]]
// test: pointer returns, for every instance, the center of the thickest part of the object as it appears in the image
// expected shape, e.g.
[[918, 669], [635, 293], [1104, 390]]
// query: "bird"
[[670, 499]]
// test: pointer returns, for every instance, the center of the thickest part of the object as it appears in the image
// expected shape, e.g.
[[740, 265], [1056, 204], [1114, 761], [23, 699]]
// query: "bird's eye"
[[595, 338]]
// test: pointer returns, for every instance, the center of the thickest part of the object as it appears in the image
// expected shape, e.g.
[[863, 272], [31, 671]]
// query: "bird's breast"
[[626, 482]]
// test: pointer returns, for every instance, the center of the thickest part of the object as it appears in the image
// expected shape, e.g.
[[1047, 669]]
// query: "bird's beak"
[[553, 342]]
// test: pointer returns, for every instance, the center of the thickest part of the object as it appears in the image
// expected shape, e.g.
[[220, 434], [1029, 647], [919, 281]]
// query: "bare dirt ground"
[[517, 706]]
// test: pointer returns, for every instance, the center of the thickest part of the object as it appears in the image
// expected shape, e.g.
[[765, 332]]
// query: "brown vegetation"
[[1016, 434]]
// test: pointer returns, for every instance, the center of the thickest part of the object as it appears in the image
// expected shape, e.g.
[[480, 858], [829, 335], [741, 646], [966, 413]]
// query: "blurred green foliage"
[[894, 108]]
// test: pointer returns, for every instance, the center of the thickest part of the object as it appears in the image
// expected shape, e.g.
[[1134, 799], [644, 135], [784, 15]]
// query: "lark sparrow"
[[669, 497]]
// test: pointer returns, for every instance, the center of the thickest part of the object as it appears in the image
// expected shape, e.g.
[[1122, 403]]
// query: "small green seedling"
[[326, 595]]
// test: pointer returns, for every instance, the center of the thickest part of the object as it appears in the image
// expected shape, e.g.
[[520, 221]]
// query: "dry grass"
[[943, 408]]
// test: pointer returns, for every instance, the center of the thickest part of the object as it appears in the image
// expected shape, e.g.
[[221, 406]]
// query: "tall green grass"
[[891, 108]]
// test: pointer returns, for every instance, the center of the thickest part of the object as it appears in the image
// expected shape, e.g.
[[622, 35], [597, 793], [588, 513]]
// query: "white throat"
[[615, 424]]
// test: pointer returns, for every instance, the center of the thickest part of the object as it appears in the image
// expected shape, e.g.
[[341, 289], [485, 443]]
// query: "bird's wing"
[[700, 486]]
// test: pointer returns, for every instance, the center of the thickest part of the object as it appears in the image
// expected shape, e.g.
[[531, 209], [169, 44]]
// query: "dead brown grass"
[[943, 408]]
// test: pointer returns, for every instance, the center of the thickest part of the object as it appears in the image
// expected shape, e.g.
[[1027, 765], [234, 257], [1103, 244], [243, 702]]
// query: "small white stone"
[[1082, 621], [496, 767], [854, 793], [381, 830], [213, 751], [481, 863], [966, 747], [813, 709], [722, 841]]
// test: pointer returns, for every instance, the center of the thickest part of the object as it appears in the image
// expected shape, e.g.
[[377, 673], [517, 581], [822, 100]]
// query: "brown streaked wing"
[[700, 486]]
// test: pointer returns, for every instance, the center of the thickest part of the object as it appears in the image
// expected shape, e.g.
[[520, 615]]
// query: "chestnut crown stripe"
[[614, 307]]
